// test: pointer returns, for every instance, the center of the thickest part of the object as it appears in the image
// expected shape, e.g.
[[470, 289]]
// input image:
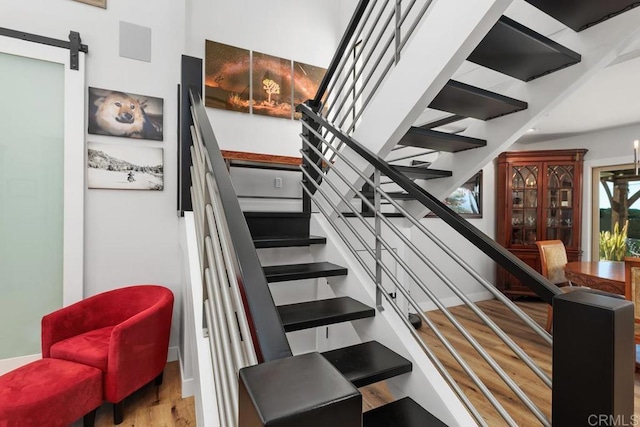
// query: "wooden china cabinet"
[[539, 197]]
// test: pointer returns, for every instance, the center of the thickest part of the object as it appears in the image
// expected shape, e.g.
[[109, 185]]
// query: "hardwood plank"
[[154, 406], [377, 394], [184, 412], [164, 406]]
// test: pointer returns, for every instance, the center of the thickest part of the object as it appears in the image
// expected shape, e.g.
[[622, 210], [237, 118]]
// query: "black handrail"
[[342, 47], [266, 327], [527, 275]]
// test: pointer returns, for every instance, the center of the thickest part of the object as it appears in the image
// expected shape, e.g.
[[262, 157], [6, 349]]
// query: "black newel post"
[[190, 78], [593, 360], [303, 390]]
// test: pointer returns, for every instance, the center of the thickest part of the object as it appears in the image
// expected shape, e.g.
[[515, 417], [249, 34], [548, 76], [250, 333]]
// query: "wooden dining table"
[[606, 276]]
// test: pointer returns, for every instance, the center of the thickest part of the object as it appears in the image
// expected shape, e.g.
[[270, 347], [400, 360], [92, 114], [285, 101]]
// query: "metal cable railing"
[[331, 200], [239, 314], [372, 44]]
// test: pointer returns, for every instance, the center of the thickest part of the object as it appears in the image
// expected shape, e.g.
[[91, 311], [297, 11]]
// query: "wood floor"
[[378, 394], [163, 406], [154, 406]]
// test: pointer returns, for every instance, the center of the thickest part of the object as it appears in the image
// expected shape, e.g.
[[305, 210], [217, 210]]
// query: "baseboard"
[[454, 301], [188, 388], [172, 356], [188, 384], [7, 365]]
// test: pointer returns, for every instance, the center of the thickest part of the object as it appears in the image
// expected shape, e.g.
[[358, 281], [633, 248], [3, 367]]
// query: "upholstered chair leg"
[[90, 419], [158, 380], [118, 412]]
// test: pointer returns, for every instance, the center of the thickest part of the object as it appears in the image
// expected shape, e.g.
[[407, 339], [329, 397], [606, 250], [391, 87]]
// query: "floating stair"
[[511, 48], [416, 172], [443, 122], [282, 242], [252, 164], [283, 273], [394, 195], [581, 14], [470, 101], [404, 412], [281, 229], [282, 224], [312, 314], [420, 163], [367, 363], [439, 141]]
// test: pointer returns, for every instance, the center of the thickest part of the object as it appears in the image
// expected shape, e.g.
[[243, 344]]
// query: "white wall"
[[306, 31], [131, 236], [478, 260]]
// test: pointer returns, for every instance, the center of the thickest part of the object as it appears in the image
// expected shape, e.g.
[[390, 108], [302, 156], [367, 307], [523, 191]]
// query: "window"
[[616, 195]]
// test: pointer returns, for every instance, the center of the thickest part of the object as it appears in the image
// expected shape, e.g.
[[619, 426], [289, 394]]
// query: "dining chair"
[[553, 258], [632, 293], [632, 284]]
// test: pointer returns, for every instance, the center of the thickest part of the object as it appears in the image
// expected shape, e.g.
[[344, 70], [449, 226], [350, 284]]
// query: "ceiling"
[[610, 99]]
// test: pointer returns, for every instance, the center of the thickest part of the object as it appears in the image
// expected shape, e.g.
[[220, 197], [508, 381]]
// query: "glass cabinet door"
[[524, 205], [559, 203]]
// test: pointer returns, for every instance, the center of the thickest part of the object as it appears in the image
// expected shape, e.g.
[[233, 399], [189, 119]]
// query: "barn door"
[[41, 191]]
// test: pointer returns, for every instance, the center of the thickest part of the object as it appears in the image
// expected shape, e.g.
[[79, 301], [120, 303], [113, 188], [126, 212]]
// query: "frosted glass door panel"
[[31, 199]]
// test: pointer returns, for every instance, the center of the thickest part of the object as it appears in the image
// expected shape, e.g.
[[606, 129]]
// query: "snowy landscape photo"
[[125, 167]]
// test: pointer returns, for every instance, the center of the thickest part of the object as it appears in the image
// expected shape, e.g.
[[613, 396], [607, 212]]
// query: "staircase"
[[530, 74], [457, 125], [509, 48], [425, 101], [362, 364]]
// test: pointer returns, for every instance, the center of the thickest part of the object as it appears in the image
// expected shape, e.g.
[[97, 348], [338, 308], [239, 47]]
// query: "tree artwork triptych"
[[237, 79]]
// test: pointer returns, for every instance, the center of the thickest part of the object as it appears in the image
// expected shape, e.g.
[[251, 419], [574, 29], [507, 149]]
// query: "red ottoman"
[[51, 393]]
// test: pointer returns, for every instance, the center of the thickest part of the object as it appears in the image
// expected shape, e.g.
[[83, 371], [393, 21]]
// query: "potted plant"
[[613, 245]]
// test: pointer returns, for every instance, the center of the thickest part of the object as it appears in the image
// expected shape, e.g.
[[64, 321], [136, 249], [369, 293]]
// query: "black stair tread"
[[401, 413], [282, 273], [443, 122], [371, 214], [470, 101], [517, 51], [367, 363], [252, 164], [276, 214], [284, 242], [417, 172], [312, 314], [394, 195], [266, 225], [420, 163], [439, 141], [581, 14]]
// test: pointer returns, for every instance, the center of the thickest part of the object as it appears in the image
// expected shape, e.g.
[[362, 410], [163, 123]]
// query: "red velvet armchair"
[[124, 333]]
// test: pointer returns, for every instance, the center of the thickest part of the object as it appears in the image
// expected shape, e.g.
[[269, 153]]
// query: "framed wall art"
[[227, 77], [467, 199], [306, 80], [271, 79], [124, 114], [125, 167]]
